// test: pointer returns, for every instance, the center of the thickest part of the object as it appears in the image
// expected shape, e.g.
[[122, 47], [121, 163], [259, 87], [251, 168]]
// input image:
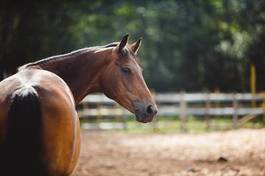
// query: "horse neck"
[[80, 71]]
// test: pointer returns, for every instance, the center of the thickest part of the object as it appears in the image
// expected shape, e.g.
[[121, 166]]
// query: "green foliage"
[[188, 45]]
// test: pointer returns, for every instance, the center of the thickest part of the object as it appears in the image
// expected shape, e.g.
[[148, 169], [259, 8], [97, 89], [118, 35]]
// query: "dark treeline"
[[191, 45]]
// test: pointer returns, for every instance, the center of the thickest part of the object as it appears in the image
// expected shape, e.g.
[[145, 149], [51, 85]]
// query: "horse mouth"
[[144, 119], [144, 116]]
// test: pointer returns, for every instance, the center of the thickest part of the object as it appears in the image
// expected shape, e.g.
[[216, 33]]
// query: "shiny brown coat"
[[39, 127], [53, 147]]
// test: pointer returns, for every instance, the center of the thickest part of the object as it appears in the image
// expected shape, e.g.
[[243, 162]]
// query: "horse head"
[[123, 81]]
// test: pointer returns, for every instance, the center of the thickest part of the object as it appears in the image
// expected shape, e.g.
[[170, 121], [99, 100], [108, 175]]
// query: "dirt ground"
[[232, 153]]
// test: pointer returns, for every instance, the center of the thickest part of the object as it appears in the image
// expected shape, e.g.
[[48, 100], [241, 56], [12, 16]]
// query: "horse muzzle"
[[144, 111]]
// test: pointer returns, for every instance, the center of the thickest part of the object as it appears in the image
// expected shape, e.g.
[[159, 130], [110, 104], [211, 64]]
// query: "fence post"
[[155, 120], [119, 116], [253, 84], [235, 114], [207, 109], [99, 116], [84, 106], [263, 107], [183, 113], [124, 120]]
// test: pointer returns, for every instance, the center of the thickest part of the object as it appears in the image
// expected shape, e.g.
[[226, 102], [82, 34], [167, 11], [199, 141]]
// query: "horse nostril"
[[151, 110]]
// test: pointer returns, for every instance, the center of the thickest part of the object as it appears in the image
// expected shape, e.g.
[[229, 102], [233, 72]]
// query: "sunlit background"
[[203, 59]]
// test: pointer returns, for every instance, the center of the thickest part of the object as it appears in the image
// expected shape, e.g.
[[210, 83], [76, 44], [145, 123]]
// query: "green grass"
[[193, 125]]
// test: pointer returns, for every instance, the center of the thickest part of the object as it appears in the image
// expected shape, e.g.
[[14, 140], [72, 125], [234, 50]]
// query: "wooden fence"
[[240, 107]]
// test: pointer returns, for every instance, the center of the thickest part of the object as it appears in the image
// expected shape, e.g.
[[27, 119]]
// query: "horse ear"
[[136, 45], [123, 43]]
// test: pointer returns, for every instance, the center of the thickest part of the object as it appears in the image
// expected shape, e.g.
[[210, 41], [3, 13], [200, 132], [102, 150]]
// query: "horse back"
[[38, 117]]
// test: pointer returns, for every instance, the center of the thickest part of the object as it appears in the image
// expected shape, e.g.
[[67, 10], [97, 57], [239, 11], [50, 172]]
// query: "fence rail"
[[236, 105], [187, 97]]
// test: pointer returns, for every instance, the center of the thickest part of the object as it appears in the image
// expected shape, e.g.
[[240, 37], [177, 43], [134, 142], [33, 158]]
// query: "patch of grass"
[[172, 124]]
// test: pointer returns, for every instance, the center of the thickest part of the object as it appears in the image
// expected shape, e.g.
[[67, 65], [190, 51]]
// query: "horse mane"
[[62, 56], [113, 44]]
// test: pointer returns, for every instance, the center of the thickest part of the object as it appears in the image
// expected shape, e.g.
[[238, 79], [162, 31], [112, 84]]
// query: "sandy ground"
[[232, 153]]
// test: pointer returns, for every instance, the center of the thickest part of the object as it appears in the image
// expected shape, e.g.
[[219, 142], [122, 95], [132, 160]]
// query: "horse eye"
[[126, 70]]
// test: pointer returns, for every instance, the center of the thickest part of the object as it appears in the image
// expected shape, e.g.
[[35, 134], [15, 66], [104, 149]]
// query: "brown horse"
[[39, 127]]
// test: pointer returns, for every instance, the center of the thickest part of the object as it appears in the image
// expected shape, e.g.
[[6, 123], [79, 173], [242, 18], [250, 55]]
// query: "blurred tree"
[[188, 45]]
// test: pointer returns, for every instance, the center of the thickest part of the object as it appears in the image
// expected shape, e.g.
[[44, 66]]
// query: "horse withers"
[[39, 126]]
